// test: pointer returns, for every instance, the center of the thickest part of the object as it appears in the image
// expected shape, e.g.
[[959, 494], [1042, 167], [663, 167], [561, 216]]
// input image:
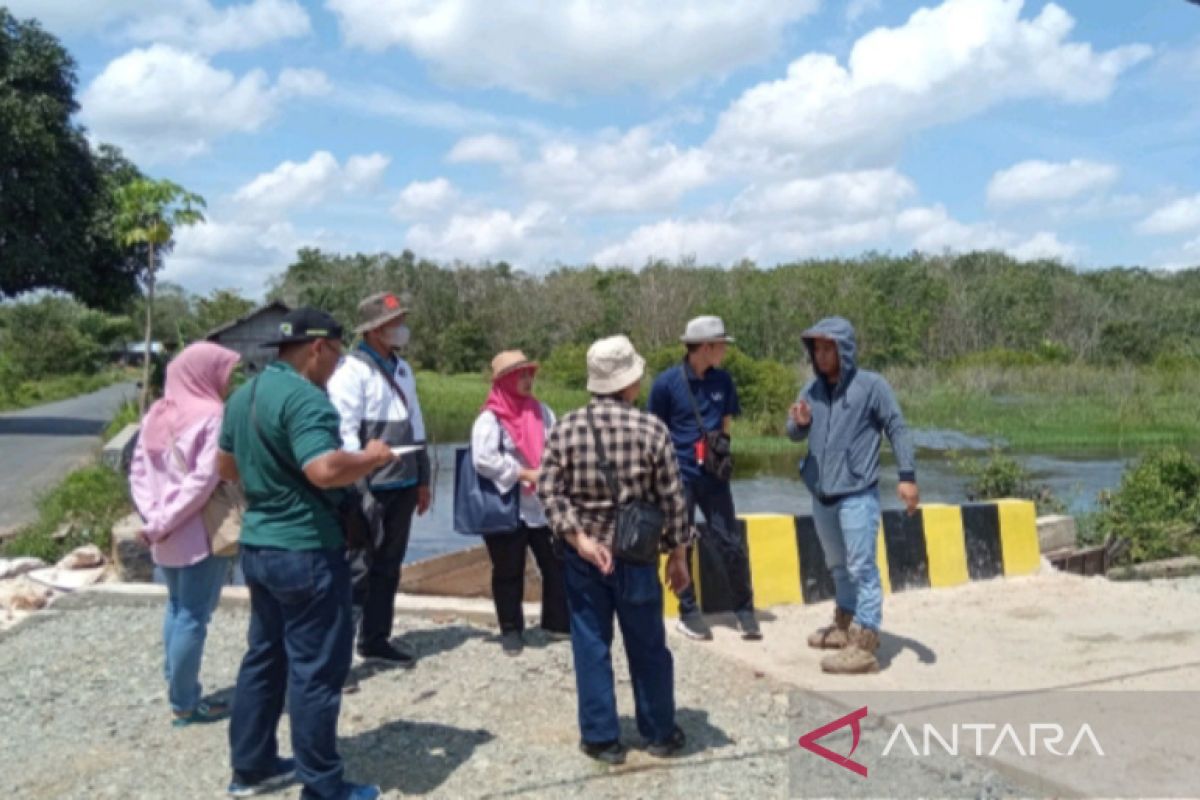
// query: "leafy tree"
[[149, 211], [220, 307], [55, 194]]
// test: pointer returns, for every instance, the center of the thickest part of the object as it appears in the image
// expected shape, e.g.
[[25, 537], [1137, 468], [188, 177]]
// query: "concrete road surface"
[[38, 446]]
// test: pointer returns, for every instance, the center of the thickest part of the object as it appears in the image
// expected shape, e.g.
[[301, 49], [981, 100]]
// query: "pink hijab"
[[520, 416], [196, 382]]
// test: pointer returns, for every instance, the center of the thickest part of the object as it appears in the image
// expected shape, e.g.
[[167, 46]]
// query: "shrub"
[[1157, 507], [567, 366], [1000, 476]]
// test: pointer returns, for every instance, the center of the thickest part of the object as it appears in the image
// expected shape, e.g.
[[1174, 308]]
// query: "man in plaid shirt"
[[582, 511]]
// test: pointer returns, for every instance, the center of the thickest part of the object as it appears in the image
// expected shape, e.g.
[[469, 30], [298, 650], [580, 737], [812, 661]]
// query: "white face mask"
[[398, 337]]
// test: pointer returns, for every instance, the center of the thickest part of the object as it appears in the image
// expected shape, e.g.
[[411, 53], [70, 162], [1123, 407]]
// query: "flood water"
[[770, 484]]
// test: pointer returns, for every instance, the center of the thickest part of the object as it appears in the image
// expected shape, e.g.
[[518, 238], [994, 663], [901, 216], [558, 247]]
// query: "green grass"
[[127, 415], [49, 390], [1032, 408], [1056, 407], [89, 501]]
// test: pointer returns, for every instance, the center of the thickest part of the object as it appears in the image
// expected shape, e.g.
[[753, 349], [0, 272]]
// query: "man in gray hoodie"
[[842, 412]]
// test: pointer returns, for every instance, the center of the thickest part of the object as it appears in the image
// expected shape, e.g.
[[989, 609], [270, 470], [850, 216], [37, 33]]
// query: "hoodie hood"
[[841, 331]]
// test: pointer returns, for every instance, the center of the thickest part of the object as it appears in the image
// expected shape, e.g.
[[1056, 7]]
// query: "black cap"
[[305, 325]]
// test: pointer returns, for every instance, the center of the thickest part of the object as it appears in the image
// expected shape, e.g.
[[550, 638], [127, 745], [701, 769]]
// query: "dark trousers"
[[715, 499], [376, 571], [299, 644], [634, 595], [507, 552]]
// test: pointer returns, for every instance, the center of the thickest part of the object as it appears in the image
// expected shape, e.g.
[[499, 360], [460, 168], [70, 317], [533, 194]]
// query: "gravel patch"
[[85, 715]]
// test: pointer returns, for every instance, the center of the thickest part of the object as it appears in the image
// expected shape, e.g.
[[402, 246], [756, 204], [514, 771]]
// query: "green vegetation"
[[1046, 407], [976, 310], [1032, 408], [126, 415], [1157, 507], [148, 212], [57, 204], [1000, 476], [81, 510], [23, 394], [452, 402]]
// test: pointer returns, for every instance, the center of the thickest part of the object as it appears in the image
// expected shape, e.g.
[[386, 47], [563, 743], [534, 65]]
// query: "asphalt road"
[[38, 446]]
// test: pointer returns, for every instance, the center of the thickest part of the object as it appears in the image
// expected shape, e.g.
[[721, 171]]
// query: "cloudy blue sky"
[[613, 131]]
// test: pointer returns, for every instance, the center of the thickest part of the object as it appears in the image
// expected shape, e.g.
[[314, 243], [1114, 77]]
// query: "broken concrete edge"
[[116, 451], [1179, 567]]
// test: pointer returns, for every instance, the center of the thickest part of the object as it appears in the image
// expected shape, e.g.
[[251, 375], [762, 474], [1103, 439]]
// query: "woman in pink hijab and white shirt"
[[172, 477], [506, 448]]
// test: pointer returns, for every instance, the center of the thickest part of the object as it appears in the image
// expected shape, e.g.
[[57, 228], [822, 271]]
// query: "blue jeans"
[[192, 595], [299, 643], [848, 531], [634, 595], [715, 500]]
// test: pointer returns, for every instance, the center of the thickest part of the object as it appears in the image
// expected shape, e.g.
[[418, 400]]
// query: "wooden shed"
[[246, 335]]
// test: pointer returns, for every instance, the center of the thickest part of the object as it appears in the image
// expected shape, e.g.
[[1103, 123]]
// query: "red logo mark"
[[391, 302], [809, 741]]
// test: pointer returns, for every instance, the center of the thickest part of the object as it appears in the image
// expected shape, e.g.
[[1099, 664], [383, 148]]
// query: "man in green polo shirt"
[[280, 438]]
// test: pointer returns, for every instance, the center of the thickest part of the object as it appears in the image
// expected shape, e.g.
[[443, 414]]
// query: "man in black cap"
[[280, 439]]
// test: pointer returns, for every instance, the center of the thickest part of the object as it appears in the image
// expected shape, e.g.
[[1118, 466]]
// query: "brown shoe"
[[832, 637], [858, 657]]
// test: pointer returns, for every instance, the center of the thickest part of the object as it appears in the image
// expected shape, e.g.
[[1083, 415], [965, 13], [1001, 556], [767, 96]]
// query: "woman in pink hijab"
[[506, 448], [172, 477]]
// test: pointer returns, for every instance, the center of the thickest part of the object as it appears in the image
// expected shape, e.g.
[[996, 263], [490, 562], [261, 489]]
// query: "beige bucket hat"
[[613, 364], [510, 361]]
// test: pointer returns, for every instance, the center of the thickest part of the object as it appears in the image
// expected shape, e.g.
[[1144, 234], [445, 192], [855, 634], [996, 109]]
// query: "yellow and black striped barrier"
[[940, 545]]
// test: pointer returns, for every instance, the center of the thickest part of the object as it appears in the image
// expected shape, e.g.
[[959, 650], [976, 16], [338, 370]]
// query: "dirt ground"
[[1054, 644]]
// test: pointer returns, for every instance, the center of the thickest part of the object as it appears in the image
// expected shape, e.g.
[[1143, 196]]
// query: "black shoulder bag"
[[355, 527], [640, 523], [718, 451]]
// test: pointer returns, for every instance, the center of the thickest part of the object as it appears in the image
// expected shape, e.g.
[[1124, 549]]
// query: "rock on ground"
[[83, 700]]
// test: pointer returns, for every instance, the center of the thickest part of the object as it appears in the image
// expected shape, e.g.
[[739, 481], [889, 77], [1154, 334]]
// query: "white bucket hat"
[[705, 329], [613, 365]]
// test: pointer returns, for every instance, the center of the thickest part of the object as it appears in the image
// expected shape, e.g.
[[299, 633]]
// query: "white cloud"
[[238, 255], [197, 25], [381, 101], [619, 172], [160, 102], [421, 199], [838, 195], [301, 185], [490, 234], [857, 9], [487, 148], [944, 64], [74, 16], [1043, 181], [1181, 216], [552, 49], [1044, 245], [933, 230], [710, 241]]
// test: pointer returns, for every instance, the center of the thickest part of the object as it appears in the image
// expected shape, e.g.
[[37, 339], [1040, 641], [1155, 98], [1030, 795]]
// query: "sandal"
[[202, 713]]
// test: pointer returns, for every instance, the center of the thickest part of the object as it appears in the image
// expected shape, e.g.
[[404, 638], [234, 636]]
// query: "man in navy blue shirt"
[[685, 397]]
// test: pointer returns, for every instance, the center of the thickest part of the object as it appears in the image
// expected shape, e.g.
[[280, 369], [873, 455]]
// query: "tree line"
[[909, 310]]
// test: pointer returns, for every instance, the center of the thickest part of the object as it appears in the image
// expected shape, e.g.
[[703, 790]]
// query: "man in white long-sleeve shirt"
[[375, 393]]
